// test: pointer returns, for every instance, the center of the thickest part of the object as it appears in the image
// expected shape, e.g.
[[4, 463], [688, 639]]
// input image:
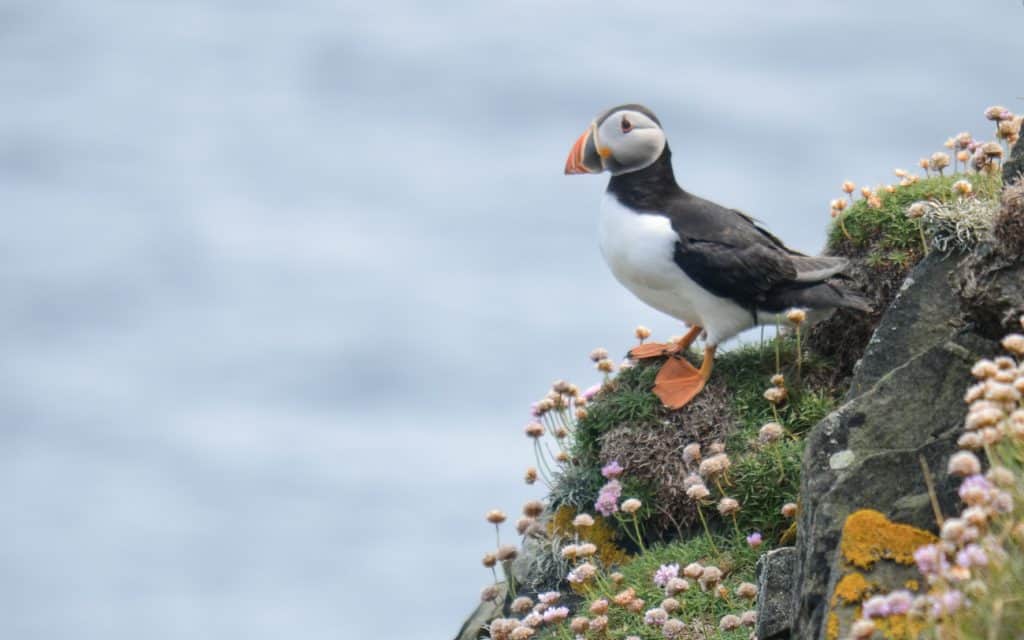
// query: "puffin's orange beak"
[[584, 158]]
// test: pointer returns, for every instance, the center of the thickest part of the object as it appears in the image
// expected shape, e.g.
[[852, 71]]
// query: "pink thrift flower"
[[972, 556], [556, 614], [931, 560], [608, 498], [612, 470], [947, 603], [665, 573], [589, 394], [755, 539], [877, 607], [899, 602]]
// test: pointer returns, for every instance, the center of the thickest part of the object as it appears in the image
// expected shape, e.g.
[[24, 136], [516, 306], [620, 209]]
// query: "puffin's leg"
[[690, 336], [679, 382]]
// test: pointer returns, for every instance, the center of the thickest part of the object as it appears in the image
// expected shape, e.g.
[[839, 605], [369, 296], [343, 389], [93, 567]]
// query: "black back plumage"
[[726, 252]]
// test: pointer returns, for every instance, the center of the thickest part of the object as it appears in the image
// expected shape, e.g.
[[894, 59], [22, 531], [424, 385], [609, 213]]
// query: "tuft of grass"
[[886, 233], [763, 481]]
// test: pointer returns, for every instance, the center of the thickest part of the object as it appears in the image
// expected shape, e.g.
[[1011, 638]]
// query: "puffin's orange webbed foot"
[[678, 382], [659, 349]]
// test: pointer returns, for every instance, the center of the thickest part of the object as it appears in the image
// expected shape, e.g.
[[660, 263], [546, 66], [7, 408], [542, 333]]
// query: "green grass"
[[736, 559], [886, 234]]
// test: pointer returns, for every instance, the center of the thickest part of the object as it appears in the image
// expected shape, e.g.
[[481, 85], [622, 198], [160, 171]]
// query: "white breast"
[[639, 248]]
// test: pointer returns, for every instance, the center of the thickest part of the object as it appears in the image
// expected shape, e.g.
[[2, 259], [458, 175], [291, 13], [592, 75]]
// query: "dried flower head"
[[728, 506], [655, 617], [693, 570], [489, 560], [583, 521], [691, 453], [599, 354], [582, 574], [673, 628], [709, 578], [917, 209], [624, 597], [676, 585], [963, 155], [866, 192], [670, 605], [534, 430], [495, 516], [1014, 343], [562, 456], [642, 333], [533, 508], [605, 366], [789, 509], [900, 173], [838, 204], [521, 605], [632, 505], [489, 593], [862, 629], [599, 607], [747, 590], [729, 622], [796, 316], [530, 476], [770, 433], [992, 150], [523, 525], [599, 624], [995, 113], [579, 625], [570, 551], [776, 395], [698, 492], [848, 187], [522, 633], [925, 163], [962, 187], [507, 552], [617, 577], [778, 380], [749, 618], [715, 466], [964, 463], [586, 550]]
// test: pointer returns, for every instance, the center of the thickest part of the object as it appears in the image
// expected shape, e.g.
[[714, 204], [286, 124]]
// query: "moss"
[[868, 536]]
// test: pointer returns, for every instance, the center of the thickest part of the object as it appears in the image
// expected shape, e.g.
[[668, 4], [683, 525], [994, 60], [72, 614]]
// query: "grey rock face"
[[775, 586], [906, 405], [1014, 166]]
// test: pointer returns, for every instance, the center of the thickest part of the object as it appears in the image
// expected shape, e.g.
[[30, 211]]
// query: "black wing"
[[725, 252]]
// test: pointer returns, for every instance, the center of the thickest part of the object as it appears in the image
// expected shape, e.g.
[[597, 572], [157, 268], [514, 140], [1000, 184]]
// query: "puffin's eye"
[[627, 126]]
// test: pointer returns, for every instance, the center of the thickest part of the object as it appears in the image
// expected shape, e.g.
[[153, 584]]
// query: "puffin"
[[716, 269]]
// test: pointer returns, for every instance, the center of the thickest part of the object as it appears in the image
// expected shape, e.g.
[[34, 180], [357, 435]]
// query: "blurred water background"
[[278, 281]]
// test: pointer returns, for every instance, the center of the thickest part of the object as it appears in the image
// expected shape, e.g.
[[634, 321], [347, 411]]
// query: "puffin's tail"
[[816, 295]]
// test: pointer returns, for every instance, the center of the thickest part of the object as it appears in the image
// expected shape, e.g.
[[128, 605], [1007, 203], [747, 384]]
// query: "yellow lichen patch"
[[868, 536], [601, 534], [832, 627], [851, 588], [900, 627], [912, 585]]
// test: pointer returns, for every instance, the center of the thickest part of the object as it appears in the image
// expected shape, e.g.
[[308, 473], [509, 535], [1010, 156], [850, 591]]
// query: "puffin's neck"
[[646, 188]]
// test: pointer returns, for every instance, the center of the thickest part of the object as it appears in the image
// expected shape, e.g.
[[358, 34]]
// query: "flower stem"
[[639, 538], [924, 243], [707, 532]]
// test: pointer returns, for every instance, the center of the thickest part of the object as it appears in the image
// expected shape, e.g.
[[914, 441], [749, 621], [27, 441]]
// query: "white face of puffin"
[[620, 141]]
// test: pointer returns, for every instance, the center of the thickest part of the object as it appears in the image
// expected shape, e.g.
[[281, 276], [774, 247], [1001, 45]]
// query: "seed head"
[[676, 585], [963, 464], [579, 625], [605, 366], [749, 618], [570, 551], [698, 492], [789, 509], [729, 622], [523, 525], [775, 395], [673, 628], [796, 316], [848, 187], [521, 633], [599, 607], [747, 590], [599, 354], [924, 163], [507, 552], [838, 204], [617, 577], [586, 550], [534, 430], [632, 505], [938, 161], [962, 187], [994, 113], [866, 192], [489, 560], [1014, 343], [992, 150], [599, 624], [691, 453], [495, 516], [900, 173], [770, 433], [728, 506], [670, 604], [710, 578], [655, 617], [971, 440], [521, 605], [562, 456], [583, 521], [533, 508], [488, 593], [642, 333], [862, 629], [530, 476], [624, 597], [778, 380]]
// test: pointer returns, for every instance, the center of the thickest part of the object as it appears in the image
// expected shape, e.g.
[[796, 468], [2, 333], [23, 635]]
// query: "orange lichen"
[[832, 627], [601, 534], [851, 588], [900, 627], [868, 536], [912, 585]]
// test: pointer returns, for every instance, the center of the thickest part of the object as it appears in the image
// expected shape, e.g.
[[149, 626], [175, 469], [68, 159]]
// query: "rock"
[[922, 313], [865, 458], [473, 627], [990, 286], [775, 584], [1014, 166]]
